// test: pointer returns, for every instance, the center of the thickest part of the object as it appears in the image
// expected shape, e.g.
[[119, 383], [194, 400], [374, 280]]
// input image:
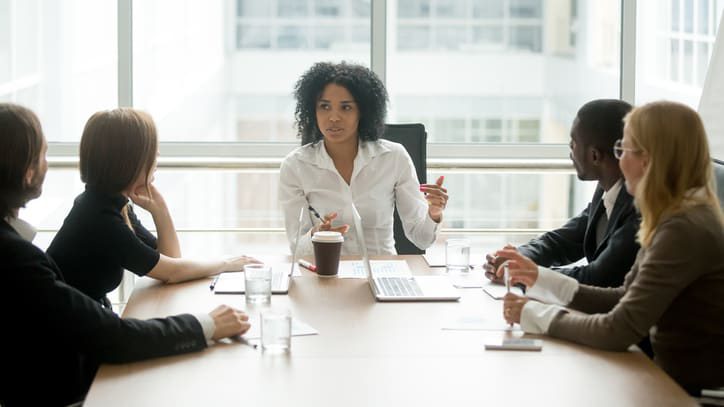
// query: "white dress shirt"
[[553, 288], [609, 197], [383, 176]]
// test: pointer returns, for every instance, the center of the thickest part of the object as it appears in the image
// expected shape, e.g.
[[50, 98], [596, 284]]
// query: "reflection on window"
[[675, 40], [457, 25], [302, 24], [60, 60]]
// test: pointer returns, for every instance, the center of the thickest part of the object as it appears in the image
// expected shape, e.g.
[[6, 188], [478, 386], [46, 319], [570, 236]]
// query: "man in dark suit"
[[53, 335], [605, 232]]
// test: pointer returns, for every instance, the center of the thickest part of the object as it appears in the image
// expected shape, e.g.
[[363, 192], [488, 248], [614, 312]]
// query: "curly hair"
[[365, 86]]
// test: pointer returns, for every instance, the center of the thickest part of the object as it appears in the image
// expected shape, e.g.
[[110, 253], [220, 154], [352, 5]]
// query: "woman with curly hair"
[[340, 116], [675, 289]]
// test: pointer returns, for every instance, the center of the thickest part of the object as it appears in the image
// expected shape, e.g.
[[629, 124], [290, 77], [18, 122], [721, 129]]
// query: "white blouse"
[[383, 176]]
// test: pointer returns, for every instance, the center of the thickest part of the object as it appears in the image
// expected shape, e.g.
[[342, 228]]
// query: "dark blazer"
[[608, 262], [53, 336]]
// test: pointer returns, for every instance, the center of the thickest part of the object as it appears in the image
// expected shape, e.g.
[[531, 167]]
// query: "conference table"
[[370, 353]]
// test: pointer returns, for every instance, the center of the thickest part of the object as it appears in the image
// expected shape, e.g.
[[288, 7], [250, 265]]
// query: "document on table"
[[299, 328], [479, 323], [498, 291], [473, 279], [380, 268], [436, 257]]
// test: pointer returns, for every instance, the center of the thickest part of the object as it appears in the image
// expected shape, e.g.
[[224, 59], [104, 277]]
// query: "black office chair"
[[719, 180], [414, 138]]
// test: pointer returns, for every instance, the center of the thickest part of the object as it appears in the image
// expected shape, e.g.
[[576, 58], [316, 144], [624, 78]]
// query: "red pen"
[[307, 265]]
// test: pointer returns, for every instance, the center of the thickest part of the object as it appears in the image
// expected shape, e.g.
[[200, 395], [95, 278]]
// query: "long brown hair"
[[21, 141], [116, 148], [673, 137]]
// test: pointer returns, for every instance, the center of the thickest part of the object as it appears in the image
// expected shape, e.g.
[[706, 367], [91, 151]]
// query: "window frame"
[[482, 156]]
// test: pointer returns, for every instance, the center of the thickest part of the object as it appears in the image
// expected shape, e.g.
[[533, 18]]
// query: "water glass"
[[457, 255], [276, 331], [257, 283]]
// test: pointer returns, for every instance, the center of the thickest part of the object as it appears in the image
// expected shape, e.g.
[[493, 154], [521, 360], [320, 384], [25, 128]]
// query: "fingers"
[[511, 253], [341, 229], [440, 180], [229, 321]]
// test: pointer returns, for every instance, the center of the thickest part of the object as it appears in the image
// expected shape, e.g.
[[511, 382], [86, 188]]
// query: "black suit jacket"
[[608, 262], [53, 336]]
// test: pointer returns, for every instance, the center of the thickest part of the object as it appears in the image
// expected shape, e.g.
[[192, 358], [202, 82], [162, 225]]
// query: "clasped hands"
[[521, 270]]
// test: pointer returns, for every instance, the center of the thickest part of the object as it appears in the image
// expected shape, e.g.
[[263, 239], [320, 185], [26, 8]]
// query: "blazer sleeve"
[[561, 246], [50, 308], [614, 261], [668, 266]]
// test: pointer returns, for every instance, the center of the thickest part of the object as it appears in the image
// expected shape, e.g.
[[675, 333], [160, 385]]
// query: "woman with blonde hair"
[[101, 235], [675, 289]]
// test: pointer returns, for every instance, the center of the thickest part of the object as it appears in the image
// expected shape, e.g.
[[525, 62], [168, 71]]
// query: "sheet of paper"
[[479, 323], [436, 258], [498, 291], [473, 279], [299, 328], [380, 268]]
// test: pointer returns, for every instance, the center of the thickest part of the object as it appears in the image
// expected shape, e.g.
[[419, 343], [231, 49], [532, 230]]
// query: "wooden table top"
[[369, 353]]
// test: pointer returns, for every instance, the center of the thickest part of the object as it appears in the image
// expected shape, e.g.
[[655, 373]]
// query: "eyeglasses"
[[618, 149]]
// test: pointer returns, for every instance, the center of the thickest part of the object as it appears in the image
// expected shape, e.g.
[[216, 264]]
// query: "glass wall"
[[224, 70], [483, 72], [60, 59]]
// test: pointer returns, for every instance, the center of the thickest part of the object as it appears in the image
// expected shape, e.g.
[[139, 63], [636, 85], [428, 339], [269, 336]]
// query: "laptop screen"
[[362, 245]]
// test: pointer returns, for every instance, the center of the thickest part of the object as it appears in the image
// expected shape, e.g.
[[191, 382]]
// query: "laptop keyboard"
[[399, 286]]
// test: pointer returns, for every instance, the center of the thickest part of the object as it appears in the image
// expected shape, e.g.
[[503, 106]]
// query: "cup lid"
[[327, 237]]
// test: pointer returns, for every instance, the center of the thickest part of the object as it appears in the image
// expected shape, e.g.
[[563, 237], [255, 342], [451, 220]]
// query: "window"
[[205, 76], [59, 59], [674, 46]]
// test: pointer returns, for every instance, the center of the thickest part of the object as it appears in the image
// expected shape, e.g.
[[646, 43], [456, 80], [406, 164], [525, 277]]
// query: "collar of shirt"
[[317, 155], [609, 197], [24, 229], [116, 201]]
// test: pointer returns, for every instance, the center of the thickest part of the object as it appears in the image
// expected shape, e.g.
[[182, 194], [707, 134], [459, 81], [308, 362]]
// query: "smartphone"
[[516, 344]]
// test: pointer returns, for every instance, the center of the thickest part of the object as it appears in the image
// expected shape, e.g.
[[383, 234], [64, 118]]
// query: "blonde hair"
[[673, 137]]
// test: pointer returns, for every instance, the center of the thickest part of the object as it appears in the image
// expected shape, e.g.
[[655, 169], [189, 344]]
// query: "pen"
[[243, 341], [213, 283], [307, 265], [316, 214]]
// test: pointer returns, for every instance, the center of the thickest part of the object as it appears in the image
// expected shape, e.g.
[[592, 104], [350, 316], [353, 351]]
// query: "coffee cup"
[[327, 247]]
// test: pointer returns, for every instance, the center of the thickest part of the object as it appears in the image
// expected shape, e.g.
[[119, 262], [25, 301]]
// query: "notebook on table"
[[233, 282]]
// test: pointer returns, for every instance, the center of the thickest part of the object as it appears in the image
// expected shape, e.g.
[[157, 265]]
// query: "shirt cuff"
[[536, 317], [207, 325], [553, 287]]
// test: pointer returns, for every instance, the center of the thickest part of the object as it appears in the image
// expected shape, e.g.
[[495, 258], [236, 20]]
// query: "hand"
[[491, 267], [238, 263], [326, 225], [521, 269], [153, 203], [513, 307], [436, 197], [229, 322]]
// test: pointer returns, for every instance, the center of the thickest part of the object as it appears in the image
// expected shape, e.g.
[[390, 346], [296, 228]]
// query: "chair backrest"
[[719, 180], [414, 138]]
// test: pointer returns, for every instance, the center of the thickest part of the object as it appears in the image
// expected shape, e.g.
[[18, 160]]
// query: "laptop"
[[233, 282], [403, 288]]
